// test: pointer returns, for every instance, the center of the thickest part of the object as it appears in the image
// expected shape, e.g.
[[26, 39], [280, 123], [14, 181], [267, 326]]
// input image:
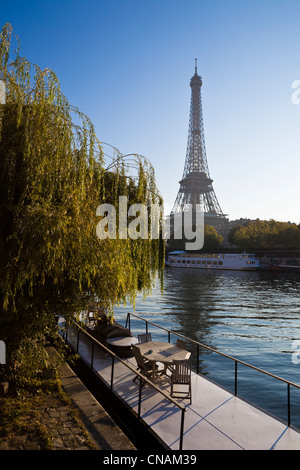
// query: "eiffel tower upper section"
[[196, 184]]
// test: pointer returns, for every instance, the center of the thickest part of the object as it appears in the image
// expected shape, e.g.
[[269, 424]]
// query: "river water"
[[253, 316]]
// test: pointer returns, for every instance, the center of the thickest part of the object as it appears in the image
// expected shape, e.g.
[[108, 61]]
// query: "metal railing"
[[235, 360], [142, 378]]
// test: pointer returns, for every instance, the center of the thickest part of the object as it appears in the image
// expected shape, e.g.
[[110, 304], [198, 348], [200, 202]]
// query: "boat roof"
[[209, 254]]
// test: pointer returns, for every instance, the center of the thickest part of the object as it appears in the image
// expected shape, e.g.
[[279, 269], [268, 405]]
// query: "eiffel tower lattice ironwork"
[[196, 184]]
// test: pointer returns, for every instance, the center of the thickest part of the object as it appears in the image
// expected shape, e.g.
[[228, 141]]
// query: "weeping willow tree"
[[52, 179]]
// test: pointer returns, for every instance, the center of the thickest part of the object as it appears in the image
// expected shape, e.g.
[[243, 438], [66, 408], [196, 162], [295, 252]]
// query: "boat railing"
[[114, 358], [234, 359]]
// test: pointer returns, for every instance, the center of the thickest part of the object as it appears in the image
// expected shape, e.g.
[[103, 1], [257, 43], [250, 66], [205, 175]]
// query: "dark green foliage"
[[265, 235]]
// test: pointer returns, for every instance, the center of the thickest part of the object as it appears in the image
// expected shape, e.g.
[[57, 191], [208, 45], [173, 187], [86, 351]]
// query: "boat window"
[[208, 262], [220, 262], [203, 262], [179, 261], [188, 261], [198, 261], [193, 261], [214, 262]]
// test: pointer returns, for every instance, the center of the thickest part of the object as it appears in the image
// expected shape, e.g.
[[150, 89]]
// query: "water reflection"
[[237, 312], [191, 295]]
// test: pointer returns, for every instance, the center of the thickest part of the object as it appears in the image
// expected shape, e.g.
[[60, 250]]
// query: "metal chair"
[[180, 378], [144, 338]]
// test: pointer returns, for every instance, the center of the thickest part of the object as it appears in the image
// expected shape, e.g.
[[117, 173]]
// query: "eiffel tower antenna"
[[196, 183]]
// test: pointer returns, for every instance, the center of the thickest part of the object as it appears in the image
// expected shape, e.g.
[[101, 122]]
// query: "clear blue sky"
[[127, 65]]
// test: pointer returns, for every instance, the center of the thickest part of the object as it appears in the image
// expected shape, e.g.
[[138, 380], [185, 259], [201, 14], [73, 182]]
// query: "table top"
[[122, 341], [162, 352]]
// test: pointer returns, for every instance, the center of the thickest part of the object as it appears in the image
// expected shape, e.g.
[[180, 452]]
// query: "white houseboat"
[[235, 261]]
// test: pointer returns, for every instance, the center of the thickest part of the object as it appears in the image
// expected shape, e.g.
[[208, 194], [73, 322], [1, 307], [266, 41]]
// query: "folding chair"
[[144, 366], [144, 338], [92, 317], [180, 343], [181, 378]]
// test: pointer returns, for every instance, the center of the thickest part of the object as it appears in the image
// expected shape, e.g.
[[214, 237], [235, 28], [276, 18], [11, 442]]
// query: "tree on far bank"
[[265, 235], [212, 240]]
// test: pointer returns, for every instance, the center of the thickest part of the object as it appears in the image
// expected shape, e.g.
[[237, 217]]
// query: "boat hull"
[[212, 268], [216, 262], [288, 268]]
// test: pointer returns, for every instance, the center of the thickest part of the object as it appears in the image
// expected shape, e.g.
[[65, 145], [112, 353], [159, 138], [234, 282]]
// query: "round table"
[[122, 345]]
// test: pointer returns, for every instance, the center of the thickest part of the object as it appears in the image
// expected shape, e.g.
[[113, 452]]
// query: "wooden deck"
[[215, 420]]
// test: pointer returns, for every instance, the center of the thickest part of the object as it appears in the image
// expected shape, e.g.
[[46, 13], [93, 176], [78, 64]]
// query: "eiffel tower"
[[196, 184]]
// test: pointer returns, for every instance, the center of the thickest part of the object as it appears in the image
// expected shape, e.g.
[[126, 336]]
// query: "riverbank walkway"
[[79, 425], [215, 420]]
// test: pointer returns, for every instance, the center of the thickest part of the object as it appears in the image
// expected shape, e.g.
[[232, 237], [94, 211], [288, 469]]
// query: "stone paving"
[[81, 425], [65, 432]]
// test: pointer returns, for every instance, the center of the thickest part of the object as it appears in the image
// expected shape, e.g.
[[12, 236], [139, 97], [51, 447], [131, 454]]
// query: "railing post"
[[146, 327], [181, 429], [92, 354], [140, 398], [112, 372], [128, 320], [77, 347], [235, 378], [289, 404], [197, 358], [169, 337]]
